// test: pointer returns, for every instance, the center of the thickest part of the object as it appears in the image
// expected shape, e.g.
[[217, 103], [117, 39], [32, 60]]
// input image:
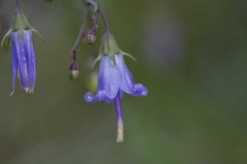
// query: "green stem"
[[105, 20], [79, 37], [73, 53]]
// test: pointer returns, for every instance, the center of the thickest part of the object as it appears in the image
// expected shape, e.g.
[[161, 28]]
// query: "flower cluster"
[[114, 79]]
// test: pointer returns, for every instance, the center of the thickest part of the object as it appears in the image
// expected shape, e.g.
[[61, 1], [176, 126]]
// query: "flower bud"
[[74, 71], [93, 81]]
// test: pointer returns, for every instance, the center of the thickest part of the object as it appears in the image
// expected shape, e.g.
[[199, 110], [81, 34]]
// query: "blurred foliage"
[[196, 110]]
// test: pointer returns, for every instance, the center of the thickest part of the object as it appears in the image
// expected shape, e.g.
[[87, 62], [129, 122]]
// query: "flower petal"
[[23, 59], [109, 78], [14, 65], [31, 58], [140, 90], [101, 96], [127, 83], [20, 50]]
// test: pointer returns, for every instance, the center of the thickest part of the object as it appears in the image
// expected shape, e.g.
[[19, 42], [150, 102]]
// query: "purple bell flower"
[[23, 54], [114, 80], [23, 60]]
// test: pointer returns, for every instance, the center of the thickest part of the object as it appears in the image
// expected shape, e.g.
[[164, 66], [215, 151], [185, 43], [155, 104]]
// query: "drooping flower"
[[23, 53], [23, 60], [114, 80]]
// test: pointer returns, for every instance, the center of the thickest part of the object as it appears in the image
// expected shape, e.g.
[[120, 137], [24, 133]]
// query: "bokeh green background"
[[191, 54]]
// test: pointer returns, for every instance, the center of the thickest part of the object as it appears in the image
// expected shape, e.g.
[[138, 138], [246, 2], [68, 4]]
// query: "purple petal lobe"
[[31, 58], [140, 90], [127, 83], [100, 96], [89, 97], [14, 65]]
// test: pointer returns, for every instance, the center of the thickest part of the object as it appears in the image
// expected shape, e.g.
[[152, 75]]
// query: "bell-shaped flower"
[[114, 77], [23, 60], [114, 80], [23, 53]]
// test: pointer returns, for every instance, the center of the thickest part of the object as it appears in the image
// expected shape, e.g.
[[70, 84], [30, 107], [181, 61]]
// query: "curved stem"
[[119, 115], [79, 37], [74, 49], [105, 20], [76, 45]]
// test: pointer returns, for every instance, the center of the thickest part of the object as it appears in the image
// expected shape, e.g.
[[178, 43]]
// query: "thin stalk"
[[119, 115], [105, 20], [74, 49]]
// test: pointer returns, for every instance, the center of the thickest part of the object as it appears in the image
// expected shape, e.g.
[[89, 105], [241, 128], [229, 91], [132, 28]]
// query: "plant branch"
[[105, 20], [74, 49]]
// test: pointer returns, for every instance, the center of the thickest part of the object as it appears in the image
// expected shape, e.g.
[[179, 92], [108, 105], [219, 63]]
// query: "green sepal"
[[109, 45], [21, 22], [95, 62], [6, 40], [128, 55], [35, 31]]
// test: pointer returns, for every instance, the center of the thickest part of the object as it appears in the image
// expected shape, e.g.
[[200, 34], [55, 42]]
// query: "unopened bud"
[[74, 71]]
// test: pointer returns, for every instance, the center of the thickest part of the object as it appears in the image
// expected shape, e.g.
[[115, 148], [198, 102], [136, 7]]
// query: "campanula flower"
[[23, 53], [23, 60], [114, 80]]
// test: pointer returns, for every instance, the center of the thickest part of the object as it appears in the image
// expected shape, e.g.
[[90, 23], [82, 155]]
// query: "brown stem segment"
[[84, 33], [73, 51]]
